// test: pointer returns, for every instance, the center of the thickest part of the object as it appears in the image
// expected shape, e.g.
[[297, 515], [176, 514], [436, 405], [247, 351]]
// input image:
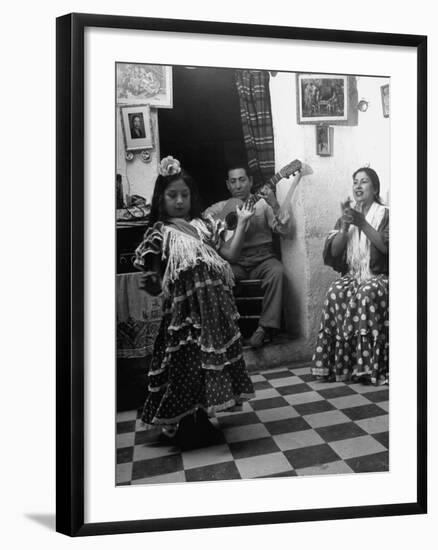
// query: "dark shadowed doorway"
[[203, 130]]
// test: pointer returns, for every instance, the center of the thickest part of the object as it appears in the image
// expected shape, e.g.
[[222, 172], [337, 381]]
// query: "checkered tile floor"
[[294, 426]]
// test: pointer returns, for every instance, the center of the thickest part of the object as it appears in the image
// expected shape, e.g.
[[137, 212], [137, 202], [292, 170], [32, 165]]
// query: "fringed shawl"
[[358, 246], [181, 245]]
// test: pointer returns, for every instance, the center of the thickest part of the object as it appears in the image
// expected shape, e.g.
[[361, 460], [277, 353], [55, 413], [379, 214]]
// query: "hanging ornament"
[[363, 105], [145, 156]]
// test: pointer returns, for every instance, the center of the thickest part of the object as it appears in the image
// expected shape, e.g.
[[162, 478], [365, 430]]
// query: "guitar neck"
[[293, 167], [272, 183]]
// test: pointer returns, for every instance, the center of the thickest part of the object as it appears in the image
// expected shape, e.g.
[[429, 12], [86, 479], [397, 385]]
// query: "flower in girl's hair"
[[169, 167]]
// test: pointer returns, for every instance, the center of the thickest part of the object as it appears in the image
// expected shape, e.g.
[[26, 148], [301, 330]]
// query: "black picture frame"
[[70, 273]]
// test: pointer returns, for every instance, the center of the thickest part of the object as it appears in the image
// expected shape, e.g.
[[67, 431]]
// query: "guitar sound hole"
[[231, 220]]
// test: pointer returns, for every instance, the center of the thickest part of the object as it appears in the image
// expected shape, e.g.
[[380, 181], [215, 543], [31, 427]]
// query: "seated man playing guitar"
[[258, 260]]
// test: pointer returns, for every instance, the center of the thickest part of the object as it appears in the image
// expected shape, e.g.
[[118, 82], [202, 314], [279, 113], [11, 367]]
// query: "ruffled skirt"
[[197, 361], [353, 338]]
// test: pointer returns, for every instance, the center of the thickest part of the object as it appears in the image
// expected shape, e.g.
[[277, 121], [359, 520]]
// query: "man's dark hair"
[[236, 165]]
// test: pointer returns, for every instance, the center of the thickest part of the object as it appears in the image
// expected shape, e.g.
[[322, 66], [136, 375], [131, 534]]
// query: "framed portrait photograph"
[[139, 83], [137, 127], [324, 141], [385, 100], [248, 332]]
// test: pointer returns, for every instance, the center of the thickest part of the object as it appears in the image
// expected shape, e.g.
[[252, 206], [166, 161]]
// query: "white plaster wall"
[[315, 205], [138, 177], [288, 146]]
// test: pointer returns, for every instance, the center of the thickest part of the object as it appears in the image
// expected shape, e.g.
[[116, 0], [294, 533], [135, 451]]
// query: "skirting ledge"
[[278, 353]]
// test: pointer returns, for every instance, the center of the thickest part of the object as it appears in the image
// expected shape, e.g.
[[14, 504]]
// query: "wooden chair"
[[249, 297]]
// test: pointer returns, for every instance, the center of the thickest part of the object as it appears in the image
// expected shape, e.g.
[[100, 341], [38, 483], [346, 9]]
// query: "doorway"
[[203, 130]]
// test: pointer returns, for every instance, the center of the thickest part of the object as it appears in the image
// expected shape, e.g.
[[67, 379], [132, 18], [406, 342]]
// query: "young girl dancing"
[[197, 367]]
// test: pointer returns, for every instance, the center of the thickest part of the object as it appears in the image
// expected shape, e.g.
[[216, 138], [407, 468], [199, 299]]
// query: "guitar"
[[228, 212]]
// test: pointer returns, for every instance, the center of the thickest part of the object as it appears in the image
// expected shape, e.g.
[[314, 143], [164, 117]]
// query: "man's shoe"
[[258, 337]]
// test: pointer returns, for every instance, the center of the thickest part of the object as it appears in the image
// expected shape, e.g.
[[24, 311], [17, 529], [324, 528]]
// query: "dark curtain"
[[255, 112]]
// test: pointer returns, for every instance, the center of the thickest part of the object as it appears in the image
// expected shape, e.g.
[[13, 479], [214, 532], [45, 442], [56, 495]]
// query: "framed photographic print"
[[183, 393], [324, 141], [139, 83], [137, 127], [385, 100]]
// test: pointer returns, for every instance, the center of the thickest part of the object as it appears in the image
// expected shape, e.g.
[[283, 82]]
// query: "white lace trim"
[[189, 322], [237, 399], [205, 367], [206, 349], [183, 252]]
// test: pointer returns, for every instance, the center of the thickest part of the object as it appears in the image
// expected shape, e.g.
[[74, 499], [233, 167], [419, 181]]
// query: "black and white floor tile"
[[294, 426]]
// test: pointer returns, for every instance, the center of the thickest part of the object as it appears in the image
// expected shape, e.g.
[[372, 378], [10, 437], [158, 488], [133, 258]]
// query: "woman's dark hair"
[[158, 212], [372, 174]]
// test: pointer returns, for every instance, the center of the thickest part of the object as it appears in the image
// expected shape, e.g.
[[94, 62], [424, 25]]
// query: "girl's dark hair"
[[372, 174], [158, 212]]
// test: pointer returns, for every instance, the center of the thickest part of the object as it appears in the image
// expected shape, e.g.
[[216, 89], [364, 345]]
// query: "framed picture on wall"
[[324, 140], [384, 91], [137, 127], [323, 435], [139, 83], [322, 98]]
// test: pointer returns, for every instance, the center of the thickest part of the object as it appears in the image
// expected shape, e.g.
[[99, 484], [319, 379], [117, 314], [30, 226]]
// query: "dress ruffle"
[[353, 339], [150, 247], [197, 360]]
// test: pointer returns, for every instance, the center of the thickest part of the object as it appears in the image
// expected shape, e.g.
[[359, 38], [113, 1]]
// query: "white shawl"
[[183, 251], [358, 247]]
